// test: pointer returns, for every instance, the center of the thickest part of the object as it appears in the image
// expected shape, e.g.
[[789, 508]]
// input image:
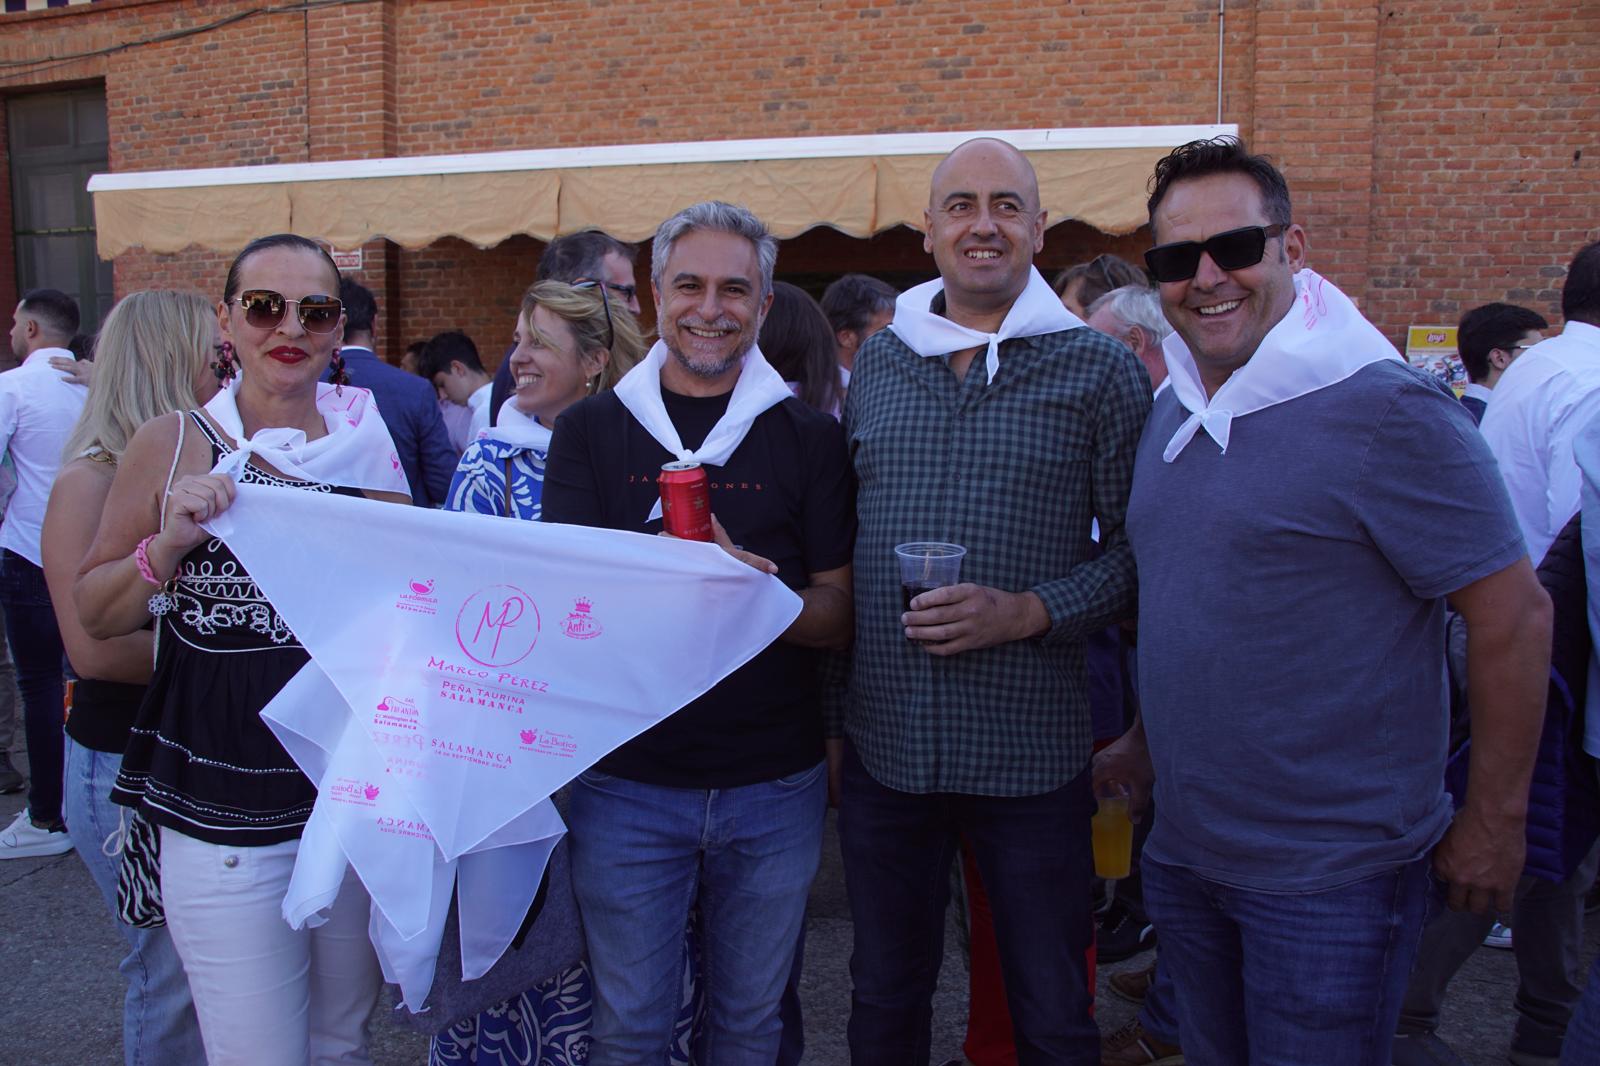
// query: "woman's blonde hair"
[[150, 350], [581, 307]]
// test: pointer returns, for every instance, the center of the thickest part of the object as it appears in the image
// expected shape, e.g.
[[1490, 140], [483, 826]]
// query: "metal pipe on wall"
[[1222, 23]]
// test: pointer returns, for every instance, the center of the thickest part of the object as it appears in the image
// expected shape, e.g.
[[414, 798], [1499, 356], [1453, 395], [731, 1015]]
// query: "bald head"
[[983, 227], [988, 155]]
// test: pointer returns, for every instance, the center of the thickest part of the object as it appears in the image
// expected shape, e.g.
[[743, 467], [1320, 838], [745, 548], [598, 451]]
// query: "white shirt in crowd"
[[478, 404], [457, 423], [1536, 410], [38, 409]]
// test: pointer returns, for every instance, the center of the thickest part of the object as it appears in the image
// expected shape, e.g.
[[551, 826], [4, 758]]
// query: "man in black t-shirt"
[[723, 802]]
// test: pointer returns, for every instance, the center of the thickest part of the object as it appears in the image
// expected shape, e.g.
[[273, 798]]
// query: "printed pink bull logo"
[[371, 791], [529, 736], [498, 625]]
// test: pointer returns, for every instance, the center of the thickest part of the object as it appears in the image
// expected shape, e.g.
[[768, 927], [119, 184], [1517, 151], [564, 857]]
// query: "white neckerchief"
[[758, 388], [1038, 310], [517, 430], [1321, 341], [356, 452]]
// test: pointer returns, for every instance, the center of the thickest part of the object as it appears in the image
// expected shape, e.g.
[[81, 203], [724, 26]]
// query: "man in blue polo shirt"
[[1303, 504]]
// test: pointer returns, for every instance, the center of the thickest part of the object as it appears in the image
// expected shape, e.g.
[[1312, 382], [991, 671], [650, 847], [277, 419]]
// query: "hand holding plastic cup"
[[1111, 831], [927, 565]]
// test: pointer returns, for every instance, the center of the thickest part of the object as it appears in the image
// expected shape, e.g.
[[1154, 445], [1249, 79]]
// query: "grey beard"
[[712, 371]]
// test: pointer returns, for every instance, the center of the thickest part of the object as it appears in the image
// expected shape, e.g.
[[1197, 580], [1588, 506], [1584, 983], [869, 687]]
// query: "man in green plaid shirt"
[[991, 417]]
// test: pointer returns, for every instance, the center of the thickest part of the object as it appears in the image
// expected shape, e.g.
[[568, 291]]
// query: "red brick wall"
[[1440, 155], [1486, 155], [9, 296]]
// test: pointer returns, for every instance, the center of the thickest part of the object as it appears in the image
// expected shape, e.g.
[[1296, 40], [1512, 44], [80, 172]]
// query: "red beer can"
[[685, 501]]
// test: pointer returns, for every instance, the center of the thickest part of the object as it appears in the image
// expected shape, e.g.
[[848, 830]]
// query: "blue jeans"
[[1159, 1015], [1033, 855], [641, 855], [159, 1027], [1582, 1046], [1288, 978], [36, 649]]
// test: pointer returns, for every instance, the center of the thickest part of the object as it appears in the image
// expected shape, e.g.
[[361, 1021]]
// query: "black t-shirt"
[[103, 713], [787, 494]]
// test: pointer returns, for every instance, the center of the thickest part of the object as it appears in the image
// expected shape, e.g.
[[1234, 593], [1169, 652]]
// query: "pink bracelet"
[[141, 559]]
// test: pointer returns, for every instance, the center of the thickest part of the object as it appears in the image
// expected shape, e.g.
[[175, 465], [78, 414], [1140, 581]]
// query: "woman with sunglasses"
[[154, 358], [571, 341], [227, 801]]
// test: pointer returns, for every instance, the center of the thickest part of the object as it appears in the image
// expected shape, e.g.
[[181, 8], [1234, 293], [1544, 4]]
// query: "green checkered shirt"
[[1014, 470]]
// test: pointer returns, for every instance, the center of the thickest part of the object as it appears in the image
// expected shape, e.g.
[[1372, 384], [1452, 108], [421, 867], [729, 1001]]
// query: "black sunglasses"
[[264, 309], [1233, 250], [611, 330]]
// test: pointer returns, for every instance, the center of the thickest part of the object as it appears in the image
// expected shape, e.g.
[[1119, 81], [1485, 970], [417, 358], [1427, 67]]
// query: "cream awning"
[[859, 185]]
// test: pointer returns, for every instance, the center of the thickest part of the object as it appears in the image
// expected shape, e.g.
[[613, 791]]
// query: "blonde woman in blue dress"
[[572, 341]]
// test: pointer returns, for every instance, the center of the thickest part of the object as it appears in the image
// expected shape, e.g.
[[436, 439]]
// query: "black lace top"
[[200, 760]]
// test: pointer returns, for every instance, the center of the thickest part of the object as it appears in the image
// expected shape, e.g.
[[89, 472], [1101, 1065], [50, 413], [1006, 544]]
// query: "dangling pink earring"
[[338, 376], [224, 366]]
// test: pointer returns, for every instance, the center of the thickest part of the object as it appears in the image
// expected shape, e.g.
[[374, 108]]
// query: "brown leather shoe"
[[1133, 985], [1132, 1046]]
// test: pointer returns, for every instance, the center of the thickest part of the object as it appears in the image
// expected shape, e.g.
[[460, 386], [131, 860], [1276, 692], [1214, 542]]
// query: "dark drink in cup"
[[925, 566], [685, 501]]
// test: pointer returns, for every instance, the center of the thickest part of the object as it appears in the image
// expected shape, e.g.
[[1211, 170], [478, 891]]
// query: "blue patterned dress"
[[548, 1025], [479, 485]]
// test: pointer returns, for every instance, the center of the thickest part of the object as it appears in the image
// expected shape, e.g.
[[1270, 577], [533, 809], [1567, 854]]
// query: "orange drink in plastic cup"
[[1111, 831]]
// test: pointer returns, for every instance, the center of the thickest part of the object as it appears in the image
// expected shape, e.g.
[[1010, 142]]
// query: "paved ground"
[[62, 994]]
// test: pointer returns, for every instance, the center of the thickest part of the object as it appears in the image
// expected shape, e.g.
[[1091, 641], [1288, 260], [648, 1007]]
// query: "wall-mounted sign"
[[349, 262]]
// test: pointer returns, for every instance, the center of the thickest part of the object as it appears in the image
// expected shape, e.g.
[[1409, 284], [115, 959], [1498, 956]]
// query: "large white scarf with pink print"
[[451, 692]]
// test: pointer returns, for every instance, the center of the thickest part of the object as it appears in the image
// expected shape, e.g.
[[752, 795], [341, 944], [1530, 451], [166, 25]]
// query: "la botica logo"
[[418, 598], [360, 793], [560, 745], [581, 624], [497, 626]]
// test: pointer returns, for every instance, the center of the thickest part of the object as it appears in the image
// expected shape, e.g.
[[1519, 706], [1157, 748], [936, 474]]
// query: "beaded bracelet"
[[161, 601]]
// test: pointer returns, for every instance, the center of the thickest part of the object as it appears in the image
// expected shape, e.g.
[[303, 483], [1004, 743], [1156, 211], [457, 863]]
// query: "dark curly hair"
[[1221, 155]]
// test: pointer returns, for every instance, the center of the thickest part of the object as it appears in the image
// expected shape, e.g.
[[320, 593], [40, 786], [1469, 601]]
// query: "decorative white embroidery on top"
[[215, 597]]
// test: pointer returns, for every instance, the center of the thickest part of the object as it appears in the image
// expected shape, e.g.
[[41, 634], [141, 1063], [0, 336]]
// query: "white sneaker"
[[24, 840], [1499, 937]]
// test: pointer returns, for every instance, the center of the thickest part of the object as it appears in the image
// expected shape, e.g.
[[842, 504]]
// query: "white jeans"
[[266, 994]]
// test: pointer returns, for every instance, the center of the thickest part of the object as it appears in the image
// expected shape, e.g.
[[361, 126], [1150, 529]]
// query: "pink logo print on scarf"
[[497, 626]]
